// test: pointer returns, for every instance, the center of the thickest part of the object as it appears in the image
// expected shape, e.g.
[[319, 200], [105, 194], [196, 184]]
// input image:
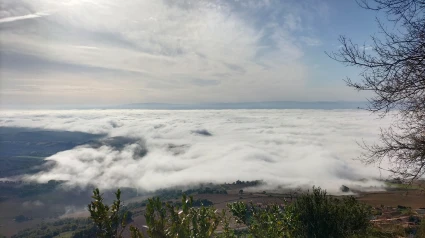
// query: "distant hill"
[[22, 150], [246, 105]]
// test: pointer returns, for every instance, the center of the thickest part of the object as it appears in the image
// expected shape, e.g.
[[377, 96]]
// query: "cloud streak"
[[153, 150], [24, 17], [199, 51]]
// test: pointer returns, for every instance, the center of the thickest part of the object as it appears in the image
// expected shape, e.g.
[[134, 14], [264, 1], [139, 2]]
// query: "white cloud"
[[311, 41], [366, 47], [18, 18], [246, 47], [282, 147]]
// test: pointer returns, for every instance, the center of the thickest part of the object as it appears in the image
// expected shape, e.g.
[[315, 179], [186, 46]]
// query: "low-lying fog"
[[159, 149]]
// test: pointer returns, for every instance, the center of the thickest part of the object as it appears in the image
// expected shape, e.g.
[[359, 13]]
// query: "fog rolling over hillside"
[[160, 149]]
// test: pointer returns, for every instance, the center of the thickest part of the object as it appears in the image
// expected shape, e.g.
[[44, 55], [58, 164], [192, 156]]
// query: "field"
[[414, 199]]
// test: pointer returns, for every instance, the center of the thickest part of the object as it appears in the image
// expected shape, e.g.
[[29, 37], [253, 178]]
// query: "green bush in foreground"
[[268, 221], [421, 230], [320, 215], [110, 223], [312, 215], [169, 220]]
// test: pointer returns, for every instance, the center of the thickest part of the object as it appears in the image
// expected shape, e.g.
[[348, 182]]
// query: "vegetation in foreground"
[[313, 214]]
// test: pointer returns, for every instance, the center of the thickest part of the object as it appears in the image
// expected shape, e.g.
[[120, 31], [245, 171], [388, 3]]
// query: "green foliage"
[[198, 203], [88, 232], [420, 233], [393, 230], [248, 183], [313, 215], [56, 228], [163, 219], [169, 220], [207, 190], [269, 221], [319, 215], [24, 190], [108, 219]]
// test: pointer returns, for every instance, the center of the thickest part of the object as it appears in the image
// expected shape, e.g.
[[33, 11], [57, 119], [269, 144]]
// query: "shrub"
[[269, 221], [172, 220], [312, 215], [319, 215], [421, 229]]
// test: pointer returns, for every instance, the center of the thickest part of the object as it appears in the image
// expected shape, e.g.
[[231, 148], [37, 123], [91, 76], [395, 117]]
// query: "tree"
[[109, 221], [394, 70]]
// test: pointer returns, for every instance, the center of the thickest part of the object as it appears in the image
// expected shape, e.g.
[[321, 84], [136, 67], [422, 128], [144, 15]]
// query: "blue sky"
[[103, 52]]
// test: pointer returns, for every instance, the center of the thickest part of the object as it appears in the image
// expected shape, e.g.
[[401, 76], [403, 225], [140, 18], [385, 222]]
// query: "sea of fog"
[[157, 149]]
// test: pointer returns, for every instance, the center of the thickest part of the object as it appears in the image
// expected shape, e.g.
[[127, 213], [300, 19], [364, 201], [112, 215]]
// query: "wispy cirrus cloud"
[[230, 43], [24, 17], [311, 41]]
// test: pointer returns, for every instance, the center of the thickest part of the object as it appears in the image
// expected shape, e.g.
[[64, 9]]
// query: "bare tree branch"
[[394, 69]]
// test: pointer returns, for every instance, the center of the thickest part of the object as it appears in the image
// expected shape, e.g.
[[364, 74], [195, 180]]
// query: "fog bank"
[[153, 150]]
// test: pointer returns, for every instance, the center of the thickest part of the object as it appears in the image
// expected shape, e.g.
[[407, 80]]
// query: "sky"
[[111, 52]]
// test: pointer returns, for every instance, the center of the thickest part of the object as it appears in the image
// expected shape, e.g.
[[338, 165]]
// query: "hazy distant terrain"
[[152, 150], [246, 105], [22, 150]]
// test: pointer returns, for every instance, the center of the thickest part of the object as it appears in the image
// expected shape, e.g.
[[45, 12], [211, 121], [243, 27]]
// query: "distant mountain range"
[[205, 106], [245, 105]]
